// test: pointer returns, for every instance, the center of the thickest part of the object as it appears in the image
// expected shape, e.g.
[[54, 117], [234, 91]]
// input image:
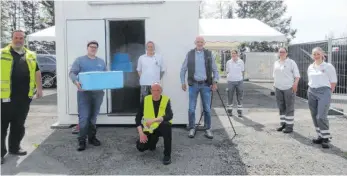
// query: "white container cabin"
[[124, 26]]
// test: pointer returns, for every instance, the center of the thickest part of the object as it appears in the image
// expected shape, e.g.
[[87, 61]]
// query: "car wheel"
[[48, 80]]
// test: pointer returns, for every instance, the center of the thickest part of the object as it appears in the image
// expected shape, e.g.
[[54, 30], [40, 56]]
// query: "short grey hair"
[[151, 43], [157, 83], [18, 30]]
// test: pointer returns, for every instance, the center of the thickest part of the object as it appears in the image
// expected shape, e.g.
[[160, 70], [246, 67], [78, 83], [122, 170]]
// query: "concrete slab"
[[257, 149]]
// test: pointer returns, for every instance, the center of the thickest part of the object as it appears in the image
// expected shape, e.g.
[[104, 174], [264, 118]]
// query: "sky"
[[314, 19]]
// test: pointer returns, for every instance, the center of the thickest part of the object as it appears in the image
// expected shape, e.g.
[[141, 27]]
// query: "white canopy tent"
[[218, 33], [228, 33], [47, 35]]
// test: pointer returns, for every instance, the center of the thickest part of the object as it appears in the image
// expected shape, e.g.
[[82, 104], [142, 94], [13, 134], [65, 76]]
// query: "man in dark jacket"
[[200, 65]]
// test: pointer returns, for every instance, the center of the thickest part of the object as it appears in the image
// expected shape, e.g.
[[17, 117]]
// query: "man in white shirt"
[[235, 68], [150, 68]]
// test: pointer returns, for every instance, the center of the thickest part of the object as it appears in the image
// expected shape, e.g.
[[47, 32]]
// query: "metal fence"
[[336, 54], [258, 65]]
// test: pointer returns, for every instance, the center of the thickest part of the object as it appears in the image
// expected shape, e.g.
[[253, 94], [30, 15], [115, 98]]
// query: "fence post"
[[330, 49]]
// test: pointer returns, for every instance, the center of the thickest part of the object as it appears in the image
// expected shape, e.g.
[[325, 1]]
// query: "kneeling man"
[[154, 119]]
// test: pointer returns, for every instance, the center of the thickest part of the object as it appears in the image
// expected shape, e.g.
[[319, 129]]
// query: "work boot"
[[19, 152], [81, 145], [191, 133], [166, 160], [209, 134], [281, 128], [318, 140], [325, 143], [288, 130], [94, 141]]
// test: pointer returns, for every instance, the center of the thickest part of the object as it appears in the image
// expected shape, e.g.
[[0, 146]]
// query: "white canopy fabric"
[[220, 33], [47, 34]]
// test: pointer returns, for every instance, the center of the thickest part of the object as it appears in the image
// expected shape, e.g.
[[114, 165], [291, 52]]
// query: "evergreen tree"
[[272, 14]]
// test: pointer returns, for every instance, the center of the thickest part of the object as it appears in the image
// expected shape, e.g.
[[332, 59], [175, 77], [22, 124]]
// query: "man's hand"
[[149, 123], [39, 93], [143, 137], [184, 87], [295, 88], [214, 87], [78, 85]]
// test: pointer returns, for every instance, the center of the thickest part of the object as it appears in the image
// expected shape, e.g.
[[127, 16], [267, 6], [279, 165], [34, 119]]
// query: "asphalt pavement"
[[257, 149]]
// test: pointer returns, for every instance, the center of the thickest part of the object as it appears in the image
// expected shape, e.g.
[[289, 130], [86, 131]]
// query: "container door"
[[78, 34]]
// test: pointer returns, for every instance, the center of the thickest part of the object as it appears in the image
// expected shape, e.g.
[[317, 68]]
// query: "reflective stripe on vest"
[[150, 114], [6, 63]]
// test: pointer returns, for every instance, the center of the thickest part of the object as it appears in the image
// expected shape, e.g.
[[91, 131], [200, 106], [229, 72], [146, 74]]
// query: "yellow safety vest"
[[150, 114], [6, 63]]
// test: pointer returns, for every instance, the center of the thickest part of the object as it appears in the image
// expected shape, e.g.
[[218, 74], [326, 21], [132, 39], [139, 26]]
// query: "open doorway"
[[127, 44]]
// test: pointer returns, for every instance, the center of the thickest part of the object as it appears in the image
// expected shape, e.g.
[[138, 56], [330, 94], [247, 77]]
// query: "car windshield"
[[46, 60]]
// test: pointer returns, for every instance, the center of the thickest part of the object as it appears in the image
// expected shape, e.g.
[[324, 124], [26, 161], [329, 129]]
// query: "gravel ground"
[[257, 149]]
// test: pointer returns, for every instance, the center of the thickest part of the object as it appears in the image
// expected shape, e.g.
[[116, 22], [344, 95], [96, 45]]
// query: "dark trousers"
[[145, 90], [163, 130], [89, 103], [14, 113]]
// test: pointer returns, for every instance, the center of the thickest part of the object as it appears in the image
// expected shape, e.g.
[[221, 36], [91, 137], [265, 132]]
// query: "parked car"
[[47, 64]]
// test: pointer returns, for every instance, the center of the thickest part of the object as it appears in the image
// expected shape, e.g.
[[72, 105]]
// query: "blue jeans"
[[89, 103], [205, 94]]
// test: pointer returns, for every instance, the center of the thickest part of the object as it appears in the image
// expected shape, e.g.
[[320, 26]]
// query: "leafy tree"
[[31, 16], [5, 21], [48, 8]]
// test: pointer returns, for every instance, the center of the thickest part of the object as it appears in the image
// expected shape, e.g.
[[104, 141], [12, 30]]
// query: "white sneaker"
[[191, 133], [209, 134]]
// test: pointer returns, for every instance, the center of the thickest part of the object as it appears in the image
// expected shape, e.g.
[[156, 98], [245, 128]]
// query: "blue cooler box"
[[101, 80]]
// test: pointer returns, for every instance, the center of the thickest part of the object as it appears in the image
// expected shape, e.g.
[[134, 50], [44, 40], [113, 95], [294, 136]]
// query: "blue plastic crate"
[[101, 80]]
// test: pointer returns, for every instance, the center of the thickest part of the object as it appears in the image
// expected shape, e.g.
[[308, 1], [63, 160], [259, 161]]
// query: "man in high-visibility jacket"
[[154, 119], [20, 76]]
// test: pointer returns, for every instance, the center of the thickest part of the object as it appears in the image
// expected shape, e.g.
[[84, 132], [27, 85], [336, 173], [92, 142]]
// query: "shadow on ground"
[[308, 142], [46, 100]]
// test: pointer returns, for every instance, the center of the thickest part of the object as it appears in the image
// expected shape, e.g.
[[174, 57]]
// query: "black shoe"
[[318, 140], [281, 128], [167, 160], [152, 148], [288, 130], [19, 152], [2, 160], [239, 112], [325, 143], [81, 145], [94, 141], [230, 112]]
